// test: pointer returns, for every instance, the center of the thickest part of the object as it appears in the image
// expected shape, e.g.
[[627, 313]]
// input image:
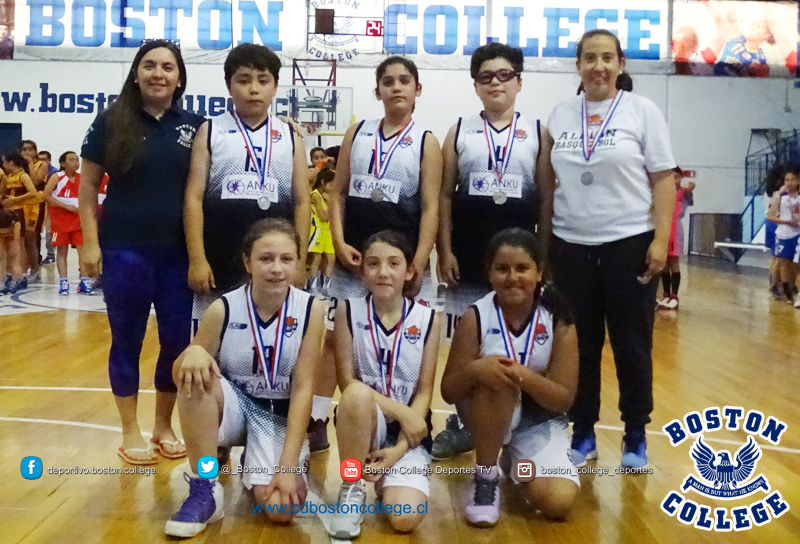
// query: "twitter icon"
[[208, 467]]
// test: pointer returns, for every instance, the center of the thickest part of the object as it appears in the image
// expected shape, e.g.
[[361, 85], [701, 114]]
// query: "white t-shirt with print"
[[609, 197]]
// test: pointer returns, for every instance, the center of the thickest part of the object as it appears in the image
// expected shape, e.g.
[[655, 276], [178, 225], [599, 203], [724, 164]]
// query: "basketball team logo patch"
[[595, 120], [412, 334], [520, 135], [276, 136], [289, 326], [721, 475], [407, 141], [540, 334], [186, 135]]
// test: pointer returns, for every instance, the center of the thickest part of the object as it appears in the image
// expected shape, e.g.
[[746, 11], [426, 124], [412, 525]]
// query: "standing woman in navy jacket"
[[143, 141]]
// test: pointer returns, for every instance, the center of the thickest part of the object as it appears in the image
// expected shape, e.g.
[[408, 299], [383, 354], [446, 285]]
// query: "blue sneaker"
[[634, 451], [63, 288], [50, 259], [16, 285], [85, 286], [583, 448], [204, 505]]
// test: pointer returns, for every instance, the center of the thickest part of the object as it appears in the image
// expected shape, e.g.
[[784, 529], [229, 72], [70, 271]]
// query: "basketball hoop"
[[308, 131]]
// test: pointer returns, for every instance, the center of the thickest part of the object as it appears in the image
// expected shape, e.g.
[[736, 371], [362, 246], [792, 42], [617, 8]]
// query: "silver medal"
[[500, 197], [377, 195], [587, 178], [264, 203]]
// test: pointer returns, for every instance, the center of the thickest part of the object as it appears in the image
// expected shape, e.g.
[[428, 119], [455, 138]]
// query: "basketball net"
[[308, 131]]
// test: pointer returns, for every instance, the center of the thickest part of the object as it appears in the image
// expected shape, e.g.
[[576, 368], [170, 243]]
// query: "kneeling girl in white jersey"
[[513, 372], [246, 380], [386, 350]]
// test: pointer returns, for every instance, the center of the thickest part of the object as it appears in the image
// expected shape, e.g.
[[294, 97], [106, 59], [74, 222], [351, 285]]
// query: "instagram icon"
[[350, 469]]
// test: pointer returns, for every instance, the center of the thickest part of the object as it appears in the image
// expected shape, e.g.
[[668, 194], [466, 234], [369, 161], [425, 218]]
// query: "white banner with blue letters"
[[434, 33]]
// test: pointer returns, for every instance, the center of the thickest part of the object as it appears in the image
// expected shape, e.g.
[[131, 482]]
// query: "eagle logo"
[[724, 474]]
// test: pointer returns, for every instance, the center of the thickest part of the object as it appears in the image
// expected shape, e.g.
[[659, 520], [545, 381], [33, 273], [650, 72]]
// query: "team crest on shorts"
[[520, 135], [186, 135], [289, 326], [407, 141], [412, 334], [719, 475]]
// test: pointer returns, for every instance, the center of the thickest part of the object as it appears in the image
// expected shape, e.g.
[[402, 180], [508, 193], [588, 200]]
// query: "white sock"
[[320, 407]]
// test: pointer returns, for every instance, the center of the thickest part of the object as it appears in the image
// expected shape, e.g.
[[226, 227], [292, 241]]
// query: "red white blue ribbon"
[[507, 340], [270, 368], [266, 160], [499, 172], [394, 355], [588, 148], [380, 165]]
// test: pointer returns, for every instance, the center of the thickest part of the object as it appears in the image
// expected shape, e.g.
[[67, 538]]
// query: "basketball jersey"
[[15, 187], [231, 201], [789, 205], [400, 350], [393, 201], [315, 219], [479, 186], [532, 348], [238, 360], [65, 192]]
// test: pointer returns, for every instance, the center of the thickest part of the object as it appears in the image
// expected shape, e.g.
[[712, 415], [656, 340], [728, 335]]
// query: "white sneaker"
[[346, 524], [797, 301], [663, 302]]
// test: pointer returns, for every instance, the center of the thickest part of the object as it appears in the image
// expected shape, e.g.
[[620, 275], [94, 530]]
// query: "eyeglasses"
[[485, 78], [176, 43]]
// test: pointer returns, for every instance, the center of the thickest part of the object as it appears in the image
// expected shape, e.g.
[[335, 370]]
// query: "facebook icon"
[[31, 468]]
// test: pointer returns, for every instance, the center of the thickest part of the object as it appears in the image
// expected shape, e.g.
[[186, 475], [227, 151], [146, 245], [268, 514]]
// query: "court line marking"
[[68, 423], [108, 428]]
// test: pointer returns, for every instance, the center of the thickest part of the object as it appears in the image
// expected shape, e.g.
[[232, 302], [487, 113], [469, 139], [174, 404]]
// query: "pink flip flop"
[[124, 453], [159, 446]]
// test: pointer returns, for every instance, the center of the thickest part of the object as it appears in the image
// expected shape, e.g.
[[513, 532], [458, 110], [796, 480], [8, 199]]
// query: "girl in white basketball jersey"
[[786, 213], [513, 372], [386, 350], [246, 380], [388, 175]]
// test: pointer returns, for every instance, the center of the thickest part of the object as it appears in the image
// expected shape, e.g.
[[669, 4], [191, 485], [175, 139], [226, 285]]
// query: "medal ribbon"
[[506, 149], [270, 369], [506, 333], [263, 168], [381, 167], [588, 148], [372, 319]]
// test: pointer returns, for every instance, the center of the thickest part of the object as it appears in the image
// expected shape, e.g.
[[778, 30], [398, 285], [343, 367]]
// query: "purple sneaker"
[[204, 505], [484, 508]]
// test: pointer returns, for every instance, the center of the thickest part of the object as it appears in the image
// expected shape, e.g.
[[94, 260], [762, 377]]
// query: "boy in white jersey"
[[491, 170], [513, 373], [247, 380], [386, 350], [787, 236], [246, 165], [388, 175]]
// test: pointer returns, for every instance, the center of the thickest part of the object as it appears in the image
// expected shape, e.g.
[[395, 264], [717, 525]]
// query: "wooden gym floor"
[[729, 345]]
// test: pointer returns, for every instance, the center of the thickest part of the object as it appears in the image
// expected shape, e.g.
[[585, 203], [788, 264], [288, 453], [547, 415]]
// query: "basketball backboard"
[[329, 107]]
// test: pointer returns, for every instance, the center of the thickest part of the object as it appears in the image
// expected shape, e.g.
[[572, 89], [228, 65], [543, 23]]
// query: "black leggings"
[[601, 284]]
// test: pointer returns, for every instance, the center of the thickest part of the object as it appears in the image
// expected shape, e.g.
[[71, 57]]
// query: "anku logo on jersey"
[[721, 476], [235, 187], [289, 326], [412, 334]]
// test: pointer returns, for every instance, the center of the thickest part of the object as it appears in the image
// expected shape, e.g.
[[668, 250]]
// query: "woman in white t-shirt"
[[612, 206]]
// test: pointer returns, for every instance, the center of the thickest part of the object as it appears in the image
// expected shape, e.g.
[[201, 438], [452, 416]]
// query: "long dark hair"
[[15, 156], [125, 127]]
